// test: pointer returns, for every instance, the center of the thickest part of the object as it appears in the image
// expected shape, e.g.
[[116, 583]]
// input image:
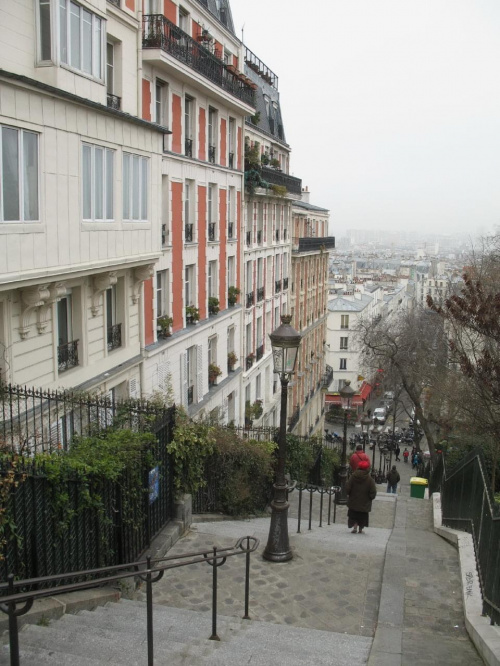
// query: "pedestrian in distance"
[[393, 479], [406, 455], [397, 452], [357, 457], [361, 491]]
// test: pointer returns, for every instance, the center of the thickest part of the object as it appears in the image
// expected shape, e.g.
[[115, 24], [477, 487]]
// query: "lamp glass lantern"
[[365, 424], [346, 395], [285, 342]]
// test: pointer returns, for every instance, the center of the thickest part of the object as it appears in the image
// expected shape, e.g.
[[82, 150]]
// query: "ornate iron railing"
[[188, 147], [285, 283], [188, 233], [211, 231], [211, 154], [230, 230], [260, 294], [249, 361], [292, 184], [114, 336], [250, 299], [277, 286], [260, 352], [159, 32], [231, 160], [67, 356], [313, 244], [113, 101], [468, 504], [18, 596]]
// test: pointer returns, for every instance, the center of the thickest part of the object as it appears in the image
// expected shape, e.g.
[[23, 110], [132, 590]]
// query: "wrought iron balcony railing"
[[292, 184], [230, 230], [285, 283], [277, 286], [313, 243], [188, 233], [211, 154], [188, 147], [160, 33], [260, 294], [211, 231], [114, 336], [248, 238], [67, 356], [249, 361], [260, 352], [231, 161], [250, 299], [113, 101]]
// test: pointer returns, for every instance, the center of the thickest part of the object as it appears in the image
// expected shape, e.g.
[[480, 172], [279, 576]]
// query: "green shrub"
[[299, 459]]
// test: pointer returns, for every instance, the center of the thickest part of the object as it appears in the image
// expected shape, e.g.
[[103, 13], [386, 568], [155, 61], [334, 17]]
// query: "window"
[[67, 348], [191, 373], [114, 329], [344, 321], [212, 279], [19, 175], [97, 182], [343, 364], [230, 339], [161, 104], [211, 216], [183, 20], [230, 271], [212, 134], [80, 38], [248, 338], [45, 45], [189, 285], [212, 350], [110, 68], [189, 228], [343, 343], [161, 293], [188, 126], [231, 142], [135, 187], [258, 387]]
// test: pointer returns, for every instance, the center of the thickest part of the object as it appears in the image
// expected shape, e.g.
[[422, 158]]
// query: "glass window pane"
[[45, 53], [126, 187], [135, 187], [110, 67], [74, 27], [63, 31], [87, 182], [98, 183], [109, 184], [30, 175], [86, 41], [97, 63], [10, 174], [144, 189]]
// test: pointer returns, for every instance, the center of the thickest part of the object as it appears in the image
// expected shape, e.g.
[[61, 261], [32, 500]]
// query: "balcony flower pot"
[[163, 326], [232, 295], [231, 360], [192, 314], [213, 305], [213, 372]]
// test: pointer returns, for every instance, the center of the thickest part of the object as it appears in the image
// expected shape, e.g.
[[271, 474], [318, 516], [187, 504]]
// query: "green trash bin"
[[418, 486]]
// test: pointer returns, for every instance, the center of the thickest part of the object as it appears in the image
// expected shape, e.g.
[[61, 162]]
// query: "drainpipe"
[[139, 63]]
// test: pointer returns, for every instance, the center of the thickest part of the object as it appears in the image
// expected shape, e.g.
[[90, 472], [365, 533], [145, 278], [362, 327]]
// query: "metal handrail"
[[153, 572], [322, 490]]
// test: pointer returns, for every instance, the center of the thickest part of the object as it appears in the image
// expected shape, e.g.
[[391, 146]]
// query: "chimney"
[[305, 194]]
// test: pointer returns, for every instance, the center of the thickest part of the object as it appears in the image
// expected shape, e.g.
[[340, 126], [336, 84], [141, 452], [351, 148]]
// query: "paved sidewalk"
[[400, 586]]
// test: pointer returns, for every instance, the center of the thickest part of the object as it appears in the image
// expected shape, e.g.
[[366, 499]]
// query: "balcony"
[[250, 299], [113, 101], [260, 294], [211, 154], [231, 161], [114, 336], [160, 33], [248, 238], [211, 232], [67, 356], [188, 233], [285, 283], [188, 147], [313, 244], [260, 352], [230, 231], [292, 184], [277, 286], [249, 360]]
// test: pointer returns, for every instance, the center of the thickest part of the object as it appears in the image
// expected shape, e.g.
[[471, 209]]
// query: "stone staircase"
[[116, 634]]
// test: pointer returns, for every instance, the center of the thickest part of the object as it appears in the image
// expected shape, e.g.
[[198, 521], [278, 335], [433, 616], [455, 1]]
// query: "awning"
[[334, 399], [366, 389]]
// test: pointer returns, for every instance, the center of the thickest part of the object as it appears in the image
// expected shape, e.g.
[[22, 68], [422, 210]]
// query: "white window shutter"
[[132, 388], [199, 373], [225, 409], [184, 380]]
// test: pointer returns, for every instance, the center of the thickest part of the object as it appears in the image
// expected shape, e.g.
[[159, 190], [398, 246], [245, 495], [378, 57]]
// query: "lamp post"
[[346, 395], [365, 425], [285, 342], [376, 430]]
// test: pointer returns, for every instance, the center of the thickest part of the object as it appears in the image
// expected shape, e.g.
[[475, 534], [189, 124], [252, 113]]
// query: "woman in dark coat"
[[361, 490]]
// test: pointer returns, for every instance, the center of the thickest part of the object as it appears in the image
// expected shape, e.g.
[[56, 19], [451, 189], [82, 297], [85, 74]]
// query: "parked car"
[[380, 413]]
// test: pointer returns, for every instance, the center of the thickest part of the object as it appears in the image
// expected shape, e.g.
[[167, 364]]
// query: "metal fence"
[[468, 504], [121, 528]]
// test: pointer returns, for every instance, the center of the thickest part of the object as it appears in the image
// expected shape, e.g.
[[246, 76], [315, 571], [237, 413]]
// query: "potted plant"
[[231, 360], [248, 414], [192, 314], [264, 158], [213, 305], [163, 325], [258, 409], [213, 372], [232, 295], [275, 163]]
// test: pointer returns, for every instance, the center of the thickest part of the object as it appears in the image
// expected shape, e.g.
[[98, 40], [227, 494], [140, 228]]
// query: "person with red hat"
[[357, 457], [361, 491]]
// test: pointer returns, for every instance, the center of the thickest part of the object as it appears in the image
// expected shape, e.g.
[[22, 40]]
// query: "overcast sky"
[[391, 107]]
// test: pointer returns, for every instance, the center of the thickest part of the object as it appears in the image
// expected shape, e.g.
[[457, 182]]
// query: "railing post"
[[149, 609], [247, 580], [13, 629], [214, 636], [300, 507], [335, 507], [329, 505], [310, 505]]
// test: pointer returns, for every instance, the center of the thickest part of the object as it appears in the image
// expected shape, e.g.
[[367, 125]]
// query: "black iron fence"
[[468, 504]]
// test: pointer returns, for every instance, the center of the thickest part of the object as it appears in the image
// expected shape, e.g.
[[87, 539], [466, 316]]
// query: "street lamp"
[[365, 425], [285, 342], [376, 430], [346, 395]]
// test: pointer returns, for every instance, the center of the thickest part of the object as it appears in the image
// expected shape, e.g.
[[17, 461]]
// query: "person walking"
[[406, 455], [393, 479], [357, 457], [361, 491], [397, 452]]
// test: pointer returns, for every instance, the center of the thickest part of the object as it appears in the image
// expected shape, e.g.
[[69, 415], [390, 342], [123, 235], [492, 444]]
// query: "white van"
[[380, 414]]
